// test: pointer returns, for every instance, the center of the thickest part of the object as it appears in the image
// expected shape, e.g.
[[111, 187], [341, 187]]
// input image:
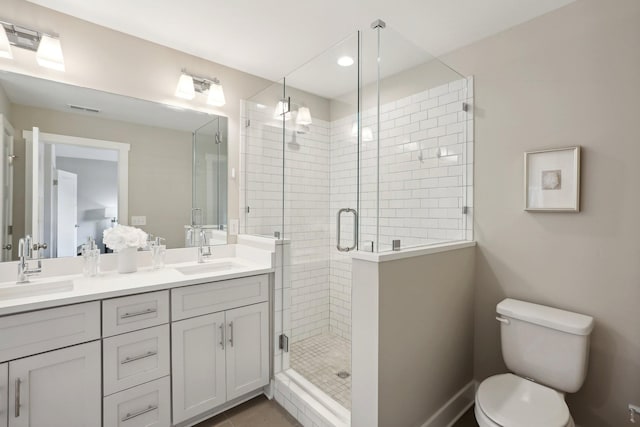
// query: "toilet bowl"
[[507, 400], [546, 350]]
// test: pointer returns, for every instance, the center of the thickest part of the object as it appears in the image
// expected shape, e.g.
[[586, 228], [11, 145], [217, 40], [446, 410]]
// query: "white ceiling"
[[271, 38]]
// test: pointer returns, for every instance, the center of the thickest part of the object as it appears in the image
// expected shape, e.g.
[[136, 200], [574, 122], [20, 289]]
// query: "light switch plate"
[[138, 220], [233, 227]]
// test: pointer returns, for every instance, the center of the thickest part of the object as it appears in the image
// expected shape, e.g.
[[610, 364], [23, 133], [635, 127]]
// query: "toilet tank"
[[545, 344]]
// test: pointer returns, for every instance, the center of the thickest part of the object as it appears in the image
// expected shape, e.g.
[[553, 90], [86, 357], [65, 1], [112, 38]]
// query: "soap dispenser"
[[91, 256], [158, 250]]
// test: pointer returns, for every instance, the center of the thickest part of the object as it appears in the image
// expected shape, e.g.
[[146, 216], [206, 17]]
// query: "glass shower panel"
[[209, 197], [423, 112], [210, 173], [321, 148], [262, 157]]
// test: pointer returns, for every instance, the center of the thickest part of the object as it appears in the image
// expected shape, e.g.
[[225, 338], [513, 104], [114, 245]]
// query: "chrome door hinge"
[[465, 106], [247, 123], [283, 341], [465, 210], [248, 209], [9, 229]]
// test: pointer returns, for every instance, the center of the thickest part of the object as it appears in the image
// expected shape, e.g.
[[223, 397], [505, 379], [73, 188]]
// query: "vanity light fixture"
[[189, 84], [216, 94], [185, 89], [49, 54], [304, 116], [5, 47], [47, 47]]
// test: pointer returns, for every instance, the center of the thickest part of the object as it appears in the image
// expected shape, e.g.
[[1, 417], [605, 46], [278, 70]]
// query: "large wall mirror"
[[76, 161]]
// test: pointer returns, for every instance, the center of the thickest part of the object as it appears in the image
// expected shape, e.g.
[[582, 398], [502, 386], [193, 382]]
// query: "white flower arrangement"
[[122, 237]]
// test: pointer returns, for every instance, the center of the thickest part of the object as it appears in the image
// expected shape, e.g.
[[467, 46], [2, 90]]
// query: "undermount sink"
[[212, 267], [24, 290]]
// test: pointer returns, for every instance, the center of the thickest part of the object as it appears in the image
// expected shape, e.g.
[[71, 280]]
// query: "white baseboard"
[[455, 407]]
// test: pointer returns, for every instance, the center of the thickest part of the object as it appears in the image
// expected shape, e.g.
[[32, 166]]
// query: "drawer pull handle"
[[231, 333], [138, 313], [222, 336], [142, 356], [17, 400], [131, 415]]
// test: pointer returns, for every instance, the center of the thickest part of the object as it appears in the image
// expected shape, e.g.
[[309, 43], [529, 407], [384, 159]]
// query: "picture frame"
[[552, 180]]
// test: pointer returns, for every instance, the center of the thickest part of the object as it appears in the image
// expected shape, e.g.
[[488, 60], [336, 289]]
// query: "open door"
[[67, 213], [6, 187]]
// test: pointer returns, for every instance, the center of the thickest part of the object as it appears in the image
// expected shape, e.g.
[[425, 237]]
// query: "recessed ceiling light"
[[345, 61]]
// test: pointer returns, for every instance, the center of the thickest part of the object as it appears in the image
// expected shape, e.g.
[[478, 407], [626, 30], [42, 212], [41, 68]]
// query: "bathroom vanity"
[[166, 347]]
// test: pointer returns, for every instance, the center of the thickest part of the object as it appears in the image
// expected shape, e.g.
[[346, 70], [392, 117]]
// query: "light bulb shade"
[[304, 116], [216, 95], [5, 47], [185, 89], [49, 53]]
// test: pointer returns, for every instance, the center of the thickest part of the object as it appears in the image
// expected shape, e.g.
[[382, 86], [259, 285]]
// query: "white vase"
[[127, 260]]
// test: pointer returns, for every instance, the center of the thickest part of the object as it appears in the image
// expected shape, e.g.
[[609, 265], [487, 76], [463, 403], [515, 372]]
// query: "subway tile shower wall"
[[423, 175]]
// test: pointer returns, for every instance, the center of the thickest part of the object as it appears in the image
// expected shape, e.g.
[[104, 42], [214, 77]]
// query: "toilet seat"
[[507, 400]]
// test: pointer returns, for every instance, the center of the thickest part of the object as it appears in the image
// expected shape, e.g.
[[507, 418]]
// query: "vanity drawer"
[[191, 301], [145, 405], [126, 314], [38, 331], [135, 358]]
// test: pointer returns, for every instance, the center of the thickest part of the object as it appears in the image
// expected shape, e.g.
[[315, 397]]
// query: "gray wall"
[[426, 334], [566, 78]]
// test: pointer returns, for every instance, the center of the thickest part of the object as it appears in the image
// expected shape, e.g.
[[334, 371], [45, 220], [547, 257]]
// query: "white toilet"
[[547, 350]]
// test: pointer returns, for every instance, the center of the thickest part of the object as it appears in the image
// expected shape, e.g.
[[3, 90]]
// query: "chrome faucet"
[[25, 251], [202, 242]]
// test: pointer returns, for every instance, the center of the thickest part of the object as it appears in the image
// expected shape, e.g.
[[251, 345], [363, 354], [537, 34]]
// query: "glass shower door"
[[321, 154]]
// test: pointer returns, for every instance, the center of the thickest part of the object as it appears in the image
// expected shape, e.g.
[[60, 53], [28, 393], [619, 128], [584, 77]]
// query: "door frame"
[[7, 128], [31, 155]]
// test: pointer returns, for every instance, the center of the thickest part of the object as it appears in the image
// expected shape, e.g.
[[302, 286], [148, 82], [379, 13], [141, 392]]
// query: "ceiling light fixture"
[[345, 61], [47, 47], [188, 85]]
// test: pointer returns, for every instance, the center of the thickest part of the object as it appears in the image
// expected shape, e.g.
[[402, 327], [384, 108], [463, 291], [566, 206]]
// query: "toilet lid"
[[513, 401]]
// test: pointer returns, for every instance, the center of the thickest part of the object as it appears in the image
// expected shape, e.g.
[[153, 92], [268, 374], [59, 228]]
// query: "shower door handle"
[[355, 230]]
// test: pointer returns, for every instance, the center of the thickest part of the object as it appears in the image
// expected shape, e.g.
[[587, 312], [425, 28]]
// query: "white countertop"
[[111, 284]]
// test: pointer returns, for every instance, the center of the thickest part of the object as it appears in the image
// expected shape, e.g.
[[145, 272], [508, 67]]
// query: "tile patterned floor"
[[256, 412], [319, 359]]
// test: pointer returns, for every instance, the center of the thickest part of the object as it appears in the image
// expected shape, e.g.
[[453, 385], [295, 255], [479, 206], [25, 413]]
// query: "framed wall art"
[[552, 180]]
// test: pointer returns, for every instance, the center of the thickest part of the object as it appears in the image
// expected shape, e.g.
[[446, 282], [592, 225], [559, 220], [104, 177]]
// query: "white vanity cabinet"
[[221, 355], [136, 360], [57, 388], [4, 394], [42, 383]]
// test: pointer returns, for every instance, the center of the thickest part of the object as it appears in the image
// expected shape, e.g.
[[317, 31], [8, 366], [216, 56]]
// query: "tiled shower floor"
[[319, 359]]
